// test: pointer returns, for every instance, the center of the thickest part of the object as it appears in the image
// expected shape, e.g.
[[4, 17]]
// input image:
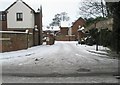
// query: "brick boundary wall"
[[65, 38], [13, 41]]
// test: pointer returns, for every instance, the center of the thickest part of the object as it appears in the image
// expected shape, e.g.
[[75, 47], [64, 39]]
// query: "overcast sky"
[[50, 8]]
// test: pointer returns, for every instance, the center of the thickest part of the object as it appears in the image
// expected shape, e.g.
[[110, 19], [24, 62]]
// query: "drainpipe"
[[27, 33]]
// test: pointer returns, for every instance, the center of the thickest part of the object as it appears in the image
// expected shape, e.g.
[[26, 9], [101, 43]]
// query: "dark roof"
[[22, 2]]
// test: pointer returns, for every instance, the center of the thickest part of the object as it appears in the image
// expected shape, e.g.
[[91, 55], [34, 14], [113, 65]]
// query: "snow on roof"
[[54, 28], [13, 32], [81, 29], [64, 24]]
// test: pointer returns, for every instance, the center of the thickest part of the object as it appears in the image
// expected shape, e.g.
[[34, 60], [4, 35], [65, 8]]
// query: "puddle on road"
[[83, 70]]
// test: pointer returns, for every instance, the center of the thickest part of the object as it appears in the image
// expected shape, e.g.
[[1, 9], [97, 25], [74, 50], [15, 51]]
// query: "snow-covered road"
[[62, 59]]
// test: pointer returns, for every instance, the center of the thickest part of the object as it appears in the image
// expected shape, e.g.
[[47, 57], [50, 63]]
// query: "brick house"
[[18, 18], [64, 30], [50, 32], [75, 27], [70, 33], [63, 33]]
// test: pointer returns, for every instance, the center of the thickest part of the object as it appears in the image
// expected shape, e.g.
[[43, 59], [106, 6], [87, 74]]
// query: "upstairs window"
[[19, 16]]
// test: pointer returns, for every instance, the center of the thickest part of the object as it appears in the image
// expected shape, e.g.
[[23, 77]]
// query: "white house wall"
[[28, 16]]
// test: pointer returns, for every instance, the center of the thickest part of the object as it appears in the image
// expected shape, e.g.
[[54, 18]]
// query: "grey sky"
[[50, 7]]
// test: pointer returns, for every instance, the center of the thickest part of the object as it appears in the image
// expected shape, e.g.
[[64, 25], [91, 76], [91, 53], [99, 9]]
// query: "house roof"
[[22, 2], [54, 28], [77, 20], [80, 29], [64, 24]]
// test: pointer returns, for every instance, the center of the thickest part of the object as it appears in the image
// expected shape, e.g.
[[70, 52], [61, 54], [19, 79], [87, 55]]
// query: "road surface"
[[64, 62]]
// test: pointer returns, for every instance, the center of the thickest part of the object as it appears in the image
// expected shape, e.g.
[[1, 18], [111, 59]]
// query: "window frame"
[[19, 16], [2, 17]]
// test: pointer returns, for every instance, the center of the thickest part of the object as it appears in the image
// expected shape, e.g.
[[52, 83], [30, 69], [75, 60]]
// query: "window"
[[19, 16], [2, 17]]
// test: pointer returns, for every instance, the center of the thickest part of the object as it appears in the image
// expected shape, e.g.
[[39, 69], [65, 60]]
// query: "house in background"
[[64, 28], [64, 31], [47, 31], [68, 32], [52, 29], [74, 29], [19, 18]]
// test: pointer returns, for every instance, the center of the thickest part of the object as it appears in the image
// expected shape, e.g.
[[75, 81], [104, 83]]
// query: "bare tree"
[[58, 18], [92, 8]]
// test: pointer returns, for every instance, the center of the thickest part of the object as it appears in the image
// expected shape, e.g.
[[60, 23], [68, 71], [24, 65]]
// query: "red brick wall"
[[75, 26], [64, 30], [65, 38], [16, 42], [3, 25]]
